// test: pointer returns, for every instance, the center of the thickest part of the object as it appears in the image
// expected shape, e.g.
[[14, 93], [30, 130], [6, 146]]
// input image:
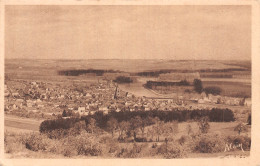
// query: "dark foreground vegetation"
[[101, 120], [135, 138], [140, 134], [105, 146]]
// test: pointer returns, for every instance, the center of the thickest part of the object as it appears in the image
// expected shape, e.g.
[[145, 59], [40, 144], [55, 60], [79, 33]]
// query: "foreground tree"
[[146, 122], [158, 128], [123, 126], [241, 128], [204, 125], [112, 125], [170, 129], [91, 125], [136, 124], [197, 85]]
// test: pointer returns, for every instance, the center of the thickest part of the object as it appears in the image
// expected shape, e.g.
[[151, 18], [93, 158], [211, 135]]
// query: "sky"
[[128, 32]]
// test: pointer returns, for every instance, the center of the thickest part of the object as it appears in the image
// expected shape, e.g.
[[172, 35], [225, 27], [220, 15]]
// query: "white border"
[[254, 158]]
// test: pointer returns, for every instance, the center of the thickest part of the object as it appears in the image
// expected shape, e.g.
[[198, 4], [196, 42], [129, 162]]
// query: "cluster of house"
[[217, 99], [53, 99]]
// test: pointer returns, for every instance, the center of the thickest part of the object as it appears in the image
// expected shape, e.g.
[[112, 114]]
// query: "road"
[[21, 124]]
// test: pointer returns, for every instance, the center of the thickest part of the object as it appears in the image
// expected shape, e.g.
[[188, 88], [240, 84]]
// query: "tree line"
[[123, 79], [146, 118], [198, 87], [98, 72], [150, 84], [156, 73]]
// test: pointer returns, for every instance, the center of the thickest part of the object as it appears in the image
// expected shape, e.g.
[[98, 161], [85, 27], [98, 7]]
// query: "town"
[[50, 100]]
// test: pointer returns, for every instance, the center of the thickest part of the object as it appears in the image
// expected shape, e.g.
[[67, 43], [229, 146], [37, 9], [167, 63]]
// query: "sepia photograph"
[[127, 81]]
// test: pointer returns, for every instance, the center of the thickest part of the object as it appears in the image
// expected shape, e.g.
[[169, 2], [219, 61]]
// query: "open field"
[[21, 124], [49, 67], [228, 80], [230, 88], [47, 70], [127, 65]]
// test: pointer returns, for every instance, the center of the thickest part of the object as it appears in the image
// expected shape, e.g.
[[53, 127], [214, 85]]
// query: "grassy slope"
[[225, 128]]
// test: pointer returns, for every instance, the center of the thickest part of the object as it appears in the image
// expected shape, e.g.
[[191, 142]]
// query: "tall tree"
[[204, 125], [198, 87], [146, 122], [158, 128], [112, 125], [136, 124], [91, 124], [123, 127]]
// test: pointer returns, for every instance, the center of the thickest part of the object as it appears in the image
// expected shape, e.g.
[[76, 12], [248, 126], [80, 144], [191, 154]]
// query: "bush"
[[122, 152], [236, 140], [221, 115], [187, 143], [171, 150], [241, 128], [61, 133], [209, 143], [212, 90], [85, 145], [36, 142], [135, 151], [68, 151], [57, 134], [49, 125], [183, 139]]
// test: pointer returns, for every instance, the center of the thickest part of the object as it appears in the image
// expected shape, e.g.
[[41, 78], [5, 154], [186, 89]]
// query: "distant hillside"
[[139, 67]]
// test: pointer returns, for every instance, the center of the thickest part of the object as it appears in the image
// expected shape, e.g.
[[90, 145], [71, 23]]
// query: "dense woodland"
[[101, 120]]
